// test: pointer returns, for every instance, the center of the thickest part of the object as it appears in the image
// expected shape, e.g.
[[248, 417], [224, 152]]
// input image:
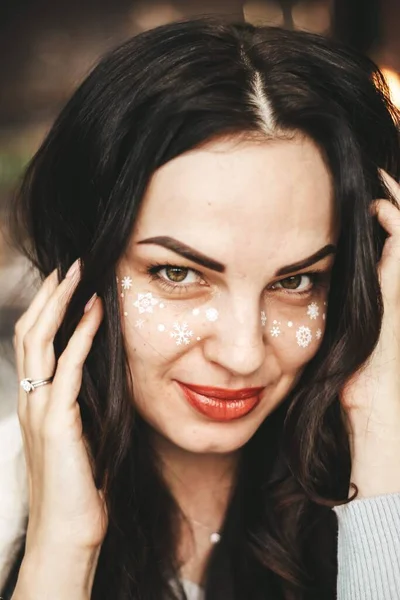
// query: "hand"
[[65, 508], [371, 398]]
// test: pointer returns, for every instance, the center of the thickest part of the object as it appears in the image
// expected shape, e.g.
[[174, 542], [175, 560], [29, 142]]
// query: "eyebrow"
[[205, 261], [185, 251], [307, 262]]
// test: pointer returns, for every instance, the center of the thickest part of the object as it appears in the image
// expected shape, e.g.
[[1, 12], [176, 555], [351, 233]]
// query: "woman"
[[235, 376]]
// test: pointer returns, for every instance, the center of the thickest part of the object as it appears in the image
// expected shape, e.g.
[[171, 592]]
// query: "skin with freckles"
[[212, 289]]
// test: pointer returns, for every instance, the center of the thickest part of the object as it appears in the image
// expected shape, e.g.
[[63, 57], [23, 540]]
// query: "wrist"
[[375, 465], [56, 572]]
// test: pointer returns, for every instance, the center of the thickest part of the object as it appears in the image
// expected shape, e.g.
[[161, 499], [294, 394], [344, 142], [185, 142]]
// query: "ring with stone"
[[28, 385]]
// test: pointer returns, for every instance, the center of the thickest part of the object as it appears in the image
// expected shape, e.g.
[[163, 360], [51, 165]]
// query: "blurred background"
[[47, 47]]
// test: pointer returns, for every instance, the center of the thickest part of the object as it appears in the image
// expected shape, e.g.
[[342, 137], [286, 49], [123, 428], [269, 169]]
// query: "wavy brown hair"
[[156, 96]]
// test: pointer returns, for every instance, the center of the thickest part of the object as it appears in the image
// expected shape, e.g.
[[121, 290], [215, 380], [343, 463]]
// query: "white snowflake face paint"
[[176, 324], [145, 302], [181, 334], [303, 336], [275, 330], [126, 283], [313, 310], [203, 303], [307, 329], [212, 314]]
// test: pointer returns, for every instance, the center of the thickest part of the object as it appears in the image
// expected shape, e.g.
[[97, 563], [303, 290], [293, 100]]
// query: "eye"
[[175, 278], [297, 283], [304, 284], [179, 275]]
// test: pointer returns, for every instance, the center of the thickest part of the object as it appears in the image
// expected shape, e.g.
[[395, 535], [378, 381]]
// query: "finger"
[[26, 320], [22, 327], [388, 216], [389, 266], [392, 185], [38, 349], [50, 413], [68, 378]]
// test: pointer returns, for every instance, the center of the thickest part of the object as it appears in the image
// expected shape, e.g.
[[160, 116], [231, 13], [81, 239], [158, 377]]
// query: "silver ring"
[[28, 385]]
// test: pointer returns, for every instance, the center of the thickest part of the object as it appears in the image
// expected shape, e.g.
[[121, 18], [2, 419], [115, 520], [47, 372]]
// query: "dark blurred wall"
[[370, 26], [391, 33], [357, 23], [45, 46]]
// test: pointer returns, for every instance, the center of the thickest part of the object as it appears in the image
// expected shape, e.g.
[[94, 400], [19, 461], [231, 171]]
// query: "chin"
[[211, 438]]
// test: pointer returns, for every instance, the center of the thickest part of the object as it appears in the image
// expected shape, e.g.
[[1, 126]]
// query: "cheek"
[[295, 332], [160, 329]]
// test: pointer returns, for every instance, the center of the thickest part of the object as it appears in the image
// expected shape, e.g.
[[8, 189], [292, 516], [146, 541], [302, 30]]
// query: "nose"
[[236, 341]]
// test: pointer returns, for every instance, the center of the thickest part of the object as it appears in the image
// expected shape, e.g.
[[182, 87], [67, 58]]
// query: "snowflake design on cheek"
[[303, 336], [181, 334], [275, 331], [212, 314], [126, 283], [313, 310], [139, 323], [263, 318], [318, 334], [145, 302]]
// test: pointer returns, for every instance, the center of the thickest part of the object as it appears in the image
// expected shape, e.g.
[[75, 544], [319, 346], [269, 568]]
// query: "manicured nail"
[[74, 268], [90, 303]]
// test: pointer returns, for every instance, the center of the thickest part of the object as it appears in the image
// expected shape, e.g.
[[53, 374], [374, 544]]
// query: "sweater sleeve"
[[369, 549]]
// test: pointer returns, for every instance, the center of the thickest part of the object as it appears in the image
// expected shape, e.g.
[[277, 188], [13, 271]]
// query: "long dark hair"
[[156, 96]]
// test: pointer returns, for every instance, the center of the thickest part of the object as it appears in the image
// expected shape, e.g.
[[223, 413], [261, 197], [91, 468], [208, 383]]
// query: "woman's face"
[[224, 286]]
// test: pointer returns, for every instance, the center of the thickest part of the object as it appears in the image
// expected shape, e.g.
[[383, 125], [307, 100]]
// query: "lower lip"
[[220, 410]]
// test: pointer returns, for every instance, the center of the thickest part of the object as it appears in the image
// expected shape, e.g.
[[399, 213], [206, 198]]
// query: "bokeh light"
[[393, 81]]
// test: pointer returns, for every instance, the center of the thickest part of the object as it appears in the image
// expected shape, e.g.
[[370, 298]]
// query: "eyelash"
[[319, 280], [154, 270]]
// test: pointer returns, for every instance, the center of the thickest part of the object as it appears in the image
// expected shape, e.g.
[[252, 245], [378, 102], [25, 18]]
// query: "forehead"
[[233, 199]]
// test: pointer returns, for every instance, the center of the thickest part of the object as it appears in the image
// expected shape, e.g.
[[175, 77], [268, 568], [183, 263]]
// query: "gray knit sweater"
[[369, 549]]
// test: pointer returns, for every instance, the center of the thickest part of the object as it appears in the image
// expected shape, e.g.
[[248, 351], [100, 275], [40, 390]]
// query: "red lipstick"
[[221, 404]]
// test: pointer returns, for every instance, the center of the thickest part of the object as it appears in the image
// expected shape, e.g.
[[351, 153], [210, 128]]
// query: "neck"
[[197, 480], [201, 485]]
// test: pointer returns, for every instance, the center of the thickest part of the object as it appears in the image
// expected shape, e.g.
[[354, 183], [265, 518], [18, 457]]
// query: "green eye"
[[176, 274], [291, 283], [175, 278], [296, 283]]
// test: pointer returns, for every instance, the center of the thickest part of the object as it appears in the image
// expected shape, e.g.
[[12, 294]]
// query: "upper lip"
[[222, 393]]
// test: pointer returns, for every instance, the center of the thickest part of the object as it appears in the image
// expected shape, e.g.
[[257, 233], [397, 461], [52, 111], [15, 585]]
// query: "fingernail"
[[74, 268], [90, 303]]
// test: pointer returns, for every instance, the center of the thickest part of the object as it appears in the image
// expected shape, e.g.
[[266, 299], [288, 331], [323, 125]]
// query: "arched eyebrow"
[[307, 262], [209, 263], [186, 251]]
